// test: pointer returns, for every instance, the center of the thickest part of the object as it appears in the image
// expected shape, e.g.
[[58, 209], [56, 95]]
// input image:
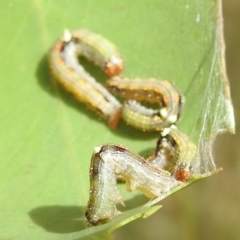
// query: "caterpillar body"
[[110, 161], [152, 91], [174, 153], [66, 68]]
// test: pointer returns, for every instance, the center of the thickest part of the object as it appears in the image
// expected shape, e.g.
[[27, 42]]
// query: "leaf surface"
[[47, 138]]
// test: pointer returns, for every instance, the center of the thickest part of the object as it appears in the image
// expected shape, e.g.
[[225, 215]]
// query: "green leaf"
[[47, 138]]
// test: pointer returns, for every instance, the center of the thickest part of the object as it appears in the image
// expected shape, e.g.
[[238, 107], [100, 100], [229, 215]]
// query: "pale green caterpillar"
[[111, 161]]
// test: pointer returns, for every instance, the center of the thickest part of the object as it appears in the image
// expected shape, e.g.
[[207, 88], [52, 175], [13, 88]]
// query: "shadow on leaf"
[[59, 219], [50, 85], [70, 219]]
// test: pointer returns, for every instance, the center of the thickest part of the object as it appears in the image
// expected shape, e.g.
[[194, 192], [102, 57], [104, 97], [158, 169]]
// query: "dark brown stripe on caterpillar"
[[153, 91]]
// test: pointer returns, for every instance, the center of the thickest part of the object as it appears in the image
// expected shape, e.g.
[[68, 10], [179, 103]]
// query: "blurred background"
[[211, 208]]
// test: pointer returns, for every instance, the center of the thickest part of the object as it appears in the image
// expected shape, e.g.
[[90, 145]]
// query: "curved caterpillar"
[[174, 153], [67, 70], [152, 91], [110, 161], [65, 67]]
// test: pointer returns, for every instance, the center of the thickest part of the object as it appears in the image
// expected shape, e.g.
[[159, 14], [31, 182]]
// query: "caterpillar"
[[153, 91], [65, 67], [110, 161], [174, 153]]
